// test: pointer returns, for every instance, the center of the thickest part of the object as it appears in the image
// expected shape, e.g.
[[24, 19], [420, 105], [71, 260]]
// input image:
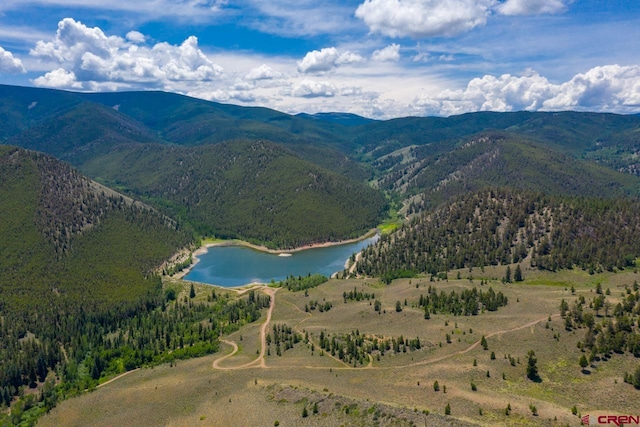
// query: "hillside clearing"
[[251, 385]]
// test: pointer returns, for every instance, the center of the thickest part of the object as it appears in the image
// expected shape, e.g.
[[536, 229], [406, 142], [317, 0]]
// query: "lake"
[[232, 266]]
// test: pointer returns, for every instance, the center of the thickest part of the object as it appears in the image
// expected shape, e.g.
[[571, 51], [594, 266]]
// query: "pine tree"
[[532, 368], [507, 275], [583, 362], [517, 276]]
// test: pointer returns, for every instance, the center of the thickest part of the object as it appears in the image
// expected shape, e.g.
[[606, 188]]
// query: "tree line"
[[610, 328], [302, 283], [78, 297], [254, 190], [503, 226], [469, 302]]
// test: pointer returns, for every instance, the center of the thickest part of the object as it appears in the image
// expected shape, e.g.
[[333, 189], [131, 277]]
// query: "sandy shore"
[[203, 249]]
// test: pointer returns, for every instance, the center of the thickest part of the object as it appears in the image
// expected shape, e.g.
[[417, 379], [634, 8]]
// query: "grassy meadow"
[[393, 389]]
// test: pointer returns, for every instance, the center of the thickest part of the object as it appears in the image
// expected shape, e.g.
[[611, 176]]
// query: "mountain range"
[[285, 181], [98, 190]]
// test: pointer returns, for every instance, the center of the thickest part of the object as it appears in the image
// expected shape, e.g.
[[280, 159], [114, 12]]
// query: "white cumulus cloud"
[[58, 78], [9, 63], [217, 95], [532, 7], [389, 53], [136, 37], [349, 58], [94, 58], [423, 18], [263, 72], [326, 59], [313, 89], [612, 88]]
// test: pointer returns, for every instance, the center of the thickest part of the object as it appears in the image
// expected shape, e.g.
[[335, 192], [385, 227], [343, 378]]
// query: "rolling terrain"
[[255, 190], [74, 254], [537, 209], [268, 194], [494, 227], [296, 376], [499, 159]]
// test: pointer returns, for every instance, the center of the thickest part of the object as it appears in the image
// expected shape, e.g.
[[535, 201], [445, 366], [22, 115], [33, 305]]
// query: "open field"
[[247, 383]]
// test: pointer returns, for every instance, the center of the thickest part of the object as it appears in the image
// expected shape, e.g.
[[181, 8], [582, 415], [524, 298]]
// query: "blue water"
[[231, 266]]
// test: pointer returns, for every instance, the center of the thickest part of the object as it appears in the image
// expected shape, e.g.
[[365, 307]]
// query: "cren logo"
[[617, 420]]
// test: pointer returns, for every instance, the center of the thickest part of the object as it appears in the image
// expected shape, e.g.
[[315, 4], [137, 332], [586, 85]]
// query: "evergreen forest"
[[79, 293], [504, 226], [98, 191]]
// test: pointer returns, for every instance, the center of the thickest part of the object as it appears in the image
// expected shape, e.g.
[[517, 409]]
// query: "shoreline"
[[235, 242]]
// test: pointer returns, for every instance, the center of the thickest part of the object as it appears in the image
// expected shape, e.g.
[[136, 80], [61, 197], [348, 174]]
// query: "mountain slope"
[[23, 107], [503, 226], [72, 253], [81, 132], [499, 159], [78, 126], [575, 133], [255, 190], [345, 119], [53, 218], [189, 121], [422, 160]]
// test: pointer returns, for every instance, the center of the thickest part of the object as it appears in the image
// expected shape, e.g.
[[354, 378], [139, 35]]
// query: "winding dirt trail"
[[217, 362], [263, 330], [259, 362], [472, 346], [117, 377]]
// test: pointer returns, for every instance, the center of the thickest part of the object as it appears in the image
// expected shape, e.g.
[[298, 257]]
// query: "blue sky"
[[376, 58]]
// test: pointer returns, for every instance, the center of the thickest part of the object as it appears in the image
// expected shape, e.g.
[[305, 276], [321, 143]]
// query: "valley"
[[503, 289], [250, 382], [232, 263]]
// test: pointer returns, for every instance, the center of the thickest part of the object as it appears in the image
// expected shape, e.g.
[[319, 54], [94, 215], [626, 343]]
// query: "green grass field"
[[397, 389]]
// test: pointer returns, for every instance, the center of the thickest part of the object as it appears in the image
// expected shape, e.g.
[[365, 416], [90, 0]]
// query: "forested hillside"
[[283, 180], [505, 226], [612, 139], [253, 190], [189, 121], [82, 132], [23, 107], [491, 159], [73, 255], [79, 299]]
